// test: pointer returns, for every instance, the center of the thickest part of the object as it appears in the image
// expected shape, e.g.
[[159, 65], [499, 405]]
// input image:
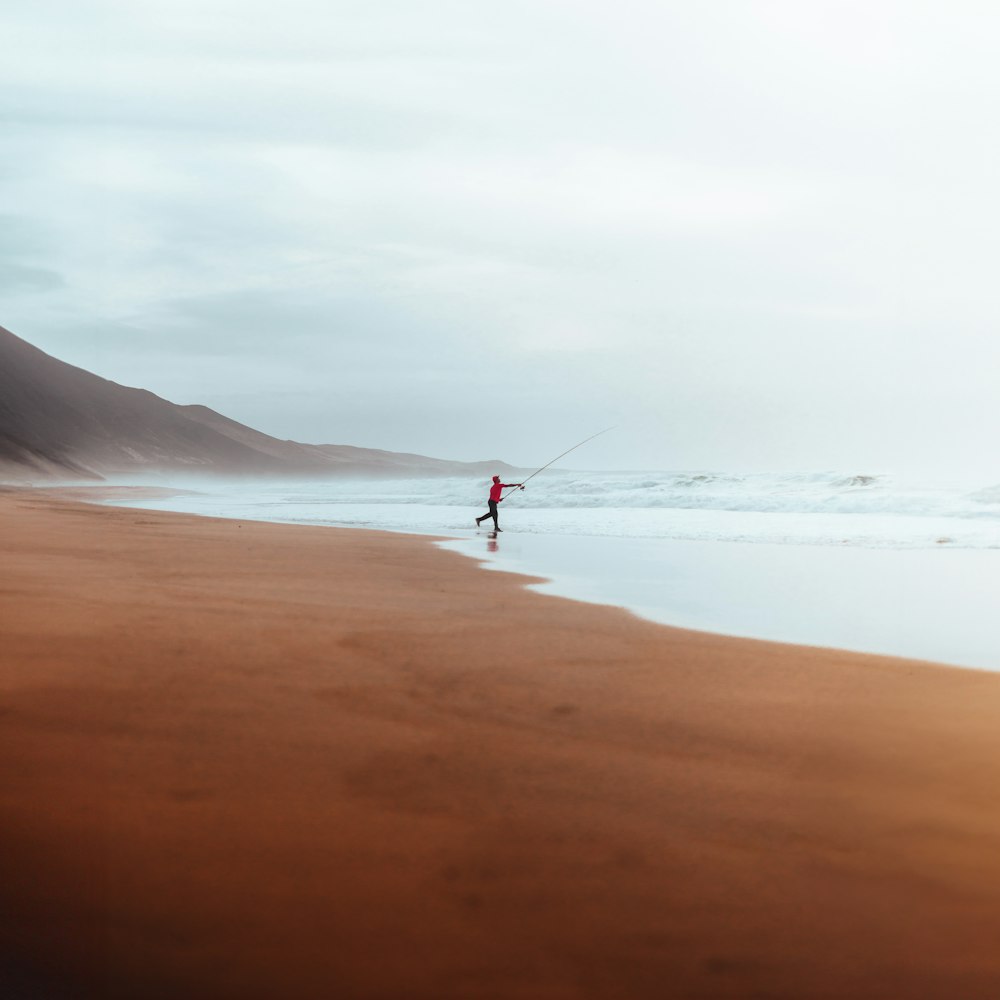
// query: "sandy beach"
[[245, 760]]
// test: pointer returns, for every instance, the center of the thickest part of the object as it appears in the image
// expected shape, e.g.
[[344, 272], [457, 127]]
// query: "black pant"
[[493, 514]]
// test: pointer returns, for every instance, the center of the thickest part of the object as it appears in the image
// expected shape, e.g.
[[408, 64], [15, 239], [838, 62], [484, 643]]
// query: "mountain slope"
[[341, 457], [59, 420]]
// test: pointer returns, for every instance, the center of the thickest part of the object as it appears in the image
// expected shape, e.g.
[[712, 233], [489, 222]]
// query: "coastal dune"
[[245, 760]]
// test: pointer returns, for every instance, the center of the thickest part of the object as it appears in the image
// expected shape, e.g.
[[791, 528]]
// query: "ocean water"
[[874, 563]]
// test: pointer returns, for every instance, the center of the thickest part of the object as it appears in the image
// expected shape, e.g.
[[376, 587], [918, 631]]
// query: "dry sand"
[[244, 761]]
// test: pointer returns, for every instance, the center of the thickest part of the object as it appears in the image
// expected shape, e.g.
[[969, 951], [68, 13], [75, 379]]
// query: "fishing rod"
[[563, 455]]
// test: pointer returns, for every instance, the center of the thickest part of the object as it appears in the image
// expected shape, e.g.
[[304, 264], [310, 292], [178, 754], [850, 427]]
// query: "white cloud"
[[769, 225]]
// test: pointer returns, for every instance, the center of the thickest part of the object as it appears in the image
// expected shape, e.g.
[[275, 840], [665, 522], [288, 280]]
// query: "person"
[[495, 490]]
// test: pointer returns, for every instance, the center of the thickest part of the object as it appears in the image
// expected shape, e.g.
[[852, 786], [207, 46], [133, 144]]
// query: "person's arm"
[[508, 486]]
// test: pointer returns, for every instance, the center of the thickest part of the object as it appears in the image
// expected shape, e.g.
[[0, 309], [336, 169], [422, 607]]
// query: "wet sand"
[[244, 760]]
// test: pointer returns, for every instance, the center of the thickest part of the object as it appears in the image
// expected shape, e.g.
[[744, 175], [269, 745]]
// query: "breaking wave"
[[859, 509], [831, 493]]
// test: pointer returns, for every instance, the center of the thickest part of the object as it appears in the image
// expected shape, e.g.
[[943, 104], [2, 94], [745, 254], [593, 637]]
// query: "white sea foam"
[[861, 509]]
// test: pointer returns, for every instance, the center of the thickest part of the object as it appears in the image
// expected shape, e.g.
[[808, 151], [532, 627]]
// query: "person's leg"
[[495, 515]]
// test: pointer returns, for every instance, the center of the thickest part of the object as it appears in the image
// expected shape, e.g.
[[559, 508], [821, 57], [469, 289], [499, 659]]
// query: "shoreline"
[[272, 761], [929, 604]]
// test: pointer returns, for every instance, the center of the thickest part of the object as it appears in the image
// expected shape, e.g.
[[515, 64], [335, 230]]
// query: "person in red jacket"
[[495, 490]]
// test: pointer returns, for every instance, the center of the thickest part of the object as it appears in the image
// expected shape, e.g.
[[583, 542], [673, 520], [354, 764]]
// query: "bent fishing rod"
[[563, 455]]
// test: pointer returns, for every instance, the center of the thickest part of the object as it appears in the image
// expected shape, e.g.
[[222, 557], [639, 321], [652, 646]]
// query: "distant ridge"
[[57, 420]]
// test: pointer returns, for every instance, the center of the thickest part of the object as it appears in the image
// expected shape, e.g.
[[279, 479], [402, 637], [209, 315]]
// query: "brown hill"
[[59, 420]]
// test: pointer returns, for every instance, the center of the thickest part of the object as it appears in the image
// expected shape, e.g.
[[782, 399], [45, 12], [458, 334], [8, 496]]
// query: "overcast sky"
[[755, 235]]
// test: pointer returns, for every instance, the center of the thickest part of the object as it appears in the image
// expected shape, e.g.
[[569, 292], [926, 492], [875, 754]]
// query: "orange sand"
[[244, 761]]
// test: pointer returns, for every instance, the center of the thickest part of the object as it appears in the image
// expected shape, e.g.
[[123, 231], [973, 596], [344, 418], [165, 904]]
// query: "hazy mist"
[[750, 234]]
